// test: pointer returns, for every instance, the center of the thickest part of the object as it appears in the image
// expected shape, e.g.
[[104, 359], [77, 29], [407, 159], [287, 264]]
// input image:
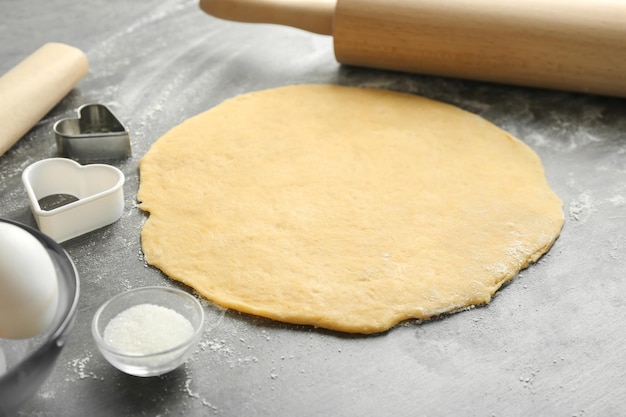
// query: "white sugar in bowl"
[[148, 331]]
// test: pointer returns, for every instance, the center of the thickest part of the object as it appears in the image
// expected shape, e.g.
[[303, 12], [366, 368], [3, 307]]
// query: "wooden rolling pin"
[[34, 86], [575, 45]]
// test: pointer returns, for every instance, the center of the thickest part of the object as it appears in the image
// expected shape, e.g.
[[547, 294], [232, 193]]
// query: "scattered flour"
[[215, 345], [79, 366], [196, 395], [617, 200], [47, 395], [581, 208]]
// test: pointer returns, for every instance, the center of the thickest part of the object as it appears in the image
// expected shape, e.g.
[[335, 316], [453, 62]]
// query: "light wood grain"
[[311, 15], [577, 45], [34, 86]]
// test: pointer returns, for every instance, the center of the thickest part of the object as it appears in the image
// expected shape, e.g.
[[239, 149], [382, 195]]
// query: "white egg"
[[28, 284]]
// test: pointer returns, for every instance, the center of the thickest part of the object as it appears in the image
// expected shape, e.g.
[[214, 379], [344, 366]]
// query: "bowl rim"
[[69, 312], [198, 330]]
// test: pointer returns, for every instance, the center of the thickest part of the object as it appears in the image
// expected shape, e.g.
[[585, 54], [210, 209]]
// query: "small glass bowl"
[[157, 363]]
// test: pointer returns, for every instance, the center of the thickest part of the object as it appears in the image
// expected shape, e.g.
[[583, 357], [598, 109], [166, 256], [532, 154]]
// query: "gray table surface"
[[552, 342]]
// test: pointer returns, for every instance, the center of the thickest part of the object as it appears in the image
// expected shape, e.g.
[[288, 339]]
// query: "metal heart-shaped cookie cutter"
[[95, 135], [97, 191]]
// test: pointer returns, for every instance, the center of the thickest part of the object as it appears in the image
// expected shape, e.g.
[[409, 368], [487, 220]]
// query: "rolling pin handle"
[[311, 15], [34, 86], [557, 44]]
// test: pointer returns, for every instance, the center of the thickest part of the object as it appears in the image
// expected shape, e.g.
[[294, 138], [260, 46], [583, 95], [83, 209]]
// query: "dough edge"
[[383, 322]]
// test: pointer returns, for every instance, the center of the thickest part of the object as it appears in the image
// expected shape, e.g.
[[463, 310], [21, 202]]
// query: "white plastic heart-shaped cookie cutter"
[[97, 190]]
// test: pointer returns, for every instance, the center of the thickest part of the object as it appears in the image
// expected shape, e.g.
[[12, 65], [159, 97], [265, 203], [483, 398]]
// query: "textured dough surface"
[[346, 208]]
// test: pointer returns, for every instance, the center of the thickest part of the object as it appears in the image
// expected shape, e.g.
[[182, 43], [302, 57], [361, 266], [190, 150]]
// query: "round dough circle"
[[345, 208]]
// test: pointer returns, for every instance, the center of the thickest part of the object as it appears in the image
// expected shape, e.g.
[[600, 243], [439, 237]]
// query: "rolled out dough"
[[345, 208]]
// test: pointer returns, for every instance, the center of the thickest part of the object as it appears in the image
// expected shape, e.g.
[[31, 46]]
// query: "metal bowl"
[[30, 361]]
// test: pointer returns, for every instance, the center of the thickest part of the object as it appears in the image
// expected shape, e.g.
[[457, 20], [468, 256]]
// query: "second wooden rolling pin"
[[34, 86], [575, 45]]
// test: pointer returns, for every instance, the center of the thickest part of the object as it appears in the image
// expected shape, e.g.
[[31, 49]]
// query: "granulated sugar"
[[147, 328]]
